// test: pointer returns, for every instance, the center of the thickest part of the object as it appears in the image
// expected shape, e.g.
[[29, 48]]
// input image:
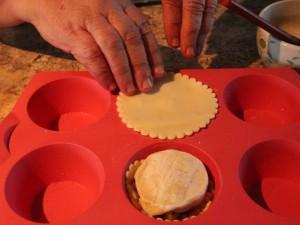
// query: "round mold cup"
[[211, 166], [269, 173], [55, 183], [68, 104], [263, 100]]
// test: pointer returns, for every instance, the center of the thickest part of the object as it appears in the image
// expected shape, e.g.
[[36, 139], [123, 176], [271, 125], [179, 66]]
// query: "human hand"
[[187, 23], [112, 38]]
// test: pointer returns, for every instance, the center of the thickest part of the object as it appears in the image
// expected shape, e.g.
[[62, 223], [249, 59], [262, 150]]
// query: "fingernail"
[[190, 52], [175, 42], [159, 71], [131, 90], [147, 84]]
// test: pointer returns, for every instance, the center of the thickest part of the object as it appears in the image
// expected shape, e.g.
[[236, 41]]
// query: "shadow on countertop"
[[26, 37], [232, 40]]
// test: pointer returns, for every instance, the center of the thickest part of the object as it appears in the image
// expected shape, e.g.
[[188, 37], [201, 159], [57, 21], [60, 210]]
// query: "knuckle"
[[68, 29], [195, 7], [210, 13], [95, 24], [211, 10], [132, 34], [192, 29], [137, 16], [86, 54], [213, 4], [103, 70], [173, 3], [145, 28], [113, 44], [122, 71], [104, 77], [92, 22]]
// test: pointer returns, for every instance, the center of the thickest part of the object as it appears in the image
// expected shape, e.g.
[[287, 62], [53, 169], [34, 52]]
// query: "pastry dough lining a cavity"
[[178, 106]]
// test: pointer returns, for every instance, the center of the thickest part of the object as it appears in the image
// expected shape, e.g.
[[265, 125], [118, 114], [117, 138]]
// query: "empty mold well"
[[270, 175], [263, 100], [212, 169], [68, 104], [55, 183]]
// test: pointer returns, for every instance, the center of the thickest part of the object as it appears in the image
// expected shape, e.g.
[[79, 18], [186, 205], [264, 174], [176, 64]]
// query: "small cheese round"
[[170, 180]]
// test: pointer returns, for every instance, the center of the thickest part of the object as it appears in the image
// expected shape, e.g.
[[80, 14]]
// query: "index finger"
[[114, 51], [150, 42]]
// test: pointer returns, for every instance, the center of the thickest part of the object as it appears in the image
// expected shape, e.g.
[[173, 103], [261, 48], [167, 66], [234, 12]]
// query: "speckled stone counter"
[[23, 52]]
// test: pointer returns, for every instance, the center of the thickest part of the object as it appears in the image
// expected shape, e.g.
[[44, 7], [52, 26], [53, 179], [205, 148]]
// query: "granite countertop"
[[23, 53]]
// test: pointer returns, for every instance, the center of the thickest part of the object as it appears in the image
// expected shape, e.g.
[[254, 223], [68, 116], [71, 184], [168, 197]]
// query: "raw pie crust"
[[178, 106], [169, 185]]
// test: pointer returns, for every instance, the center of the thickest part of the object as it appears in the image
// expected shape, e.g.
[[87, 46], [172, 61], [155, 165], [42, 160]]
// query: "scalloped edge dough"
[[171, 110]]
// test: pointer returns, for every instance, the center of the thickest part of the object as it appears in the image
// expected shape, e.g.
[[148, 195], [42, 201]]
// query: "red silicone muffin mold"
[[64, 152]]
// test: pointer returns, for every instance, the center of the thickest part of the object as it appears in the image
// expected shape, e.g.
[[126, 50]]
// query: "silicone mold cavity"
[[210, 164], [68, 104], [265, 101], [270, 175], [55, 183]]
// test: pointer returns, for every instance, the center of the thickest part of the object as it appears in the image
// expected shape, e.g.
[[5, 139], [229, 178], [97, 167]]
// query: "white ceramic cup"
[[272, 50]]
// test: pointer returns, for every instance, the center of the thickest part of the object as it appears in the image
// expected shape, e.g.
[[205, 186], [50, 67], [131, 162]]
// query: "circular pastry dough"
[[170, 180], [177, 106]]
